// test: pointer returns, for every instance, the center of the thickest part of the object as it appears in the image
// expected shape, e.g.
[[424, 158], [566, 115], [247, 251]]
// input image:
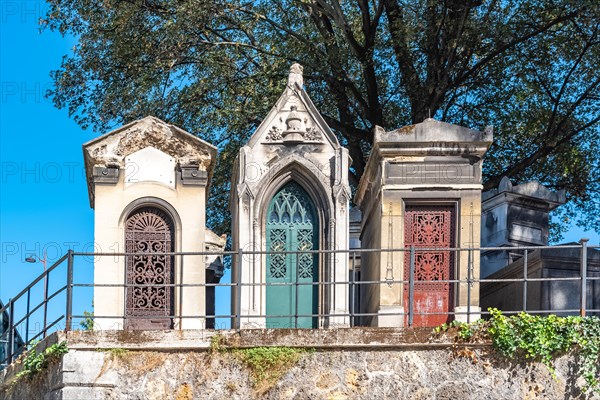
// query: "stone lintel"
[[433, 187]]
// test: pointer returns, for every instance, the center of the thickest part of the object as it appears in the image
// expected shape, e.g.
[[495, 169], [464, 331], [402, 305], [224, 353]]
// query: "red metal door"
[[430, 227]]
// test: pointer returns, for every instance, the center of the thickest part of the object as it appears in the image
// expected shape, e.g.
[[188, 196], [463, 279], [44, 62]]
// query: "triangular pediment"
[[294, 119], [113, 147]]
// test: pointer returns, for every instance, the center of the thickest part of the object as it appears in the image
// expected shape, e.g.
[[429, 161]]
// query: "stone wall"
[[398, 364]]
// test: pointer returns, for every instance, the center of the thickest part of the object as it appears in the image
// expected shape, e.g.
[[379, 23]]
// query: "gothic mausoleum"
[[290, 193]]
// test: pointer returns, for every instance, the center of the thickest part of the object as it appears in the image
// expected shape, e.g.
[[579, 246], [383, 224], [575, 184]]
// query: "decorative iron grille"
[[430, 227], [149, 230]]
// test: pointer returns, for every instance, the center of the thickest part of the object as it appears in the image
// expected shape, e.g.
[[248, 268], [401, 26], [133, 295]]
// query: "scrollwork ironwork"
[[149, 231]]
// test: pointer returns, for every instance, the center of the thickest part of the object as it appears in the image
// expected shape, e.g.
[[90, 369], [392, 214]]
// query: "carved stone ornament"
[[274, 134], [312, 134], [295, 130]]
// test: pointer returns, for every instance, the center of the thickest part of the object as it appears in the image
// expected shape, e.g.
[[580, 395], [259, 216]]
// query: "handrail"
[[353, 286], [36, 280]]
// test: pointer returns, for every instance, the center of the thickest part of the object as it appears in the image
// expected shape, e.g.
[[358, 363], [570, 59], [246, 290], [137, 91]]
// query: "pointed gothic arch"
[[292, 225], [293, 143]]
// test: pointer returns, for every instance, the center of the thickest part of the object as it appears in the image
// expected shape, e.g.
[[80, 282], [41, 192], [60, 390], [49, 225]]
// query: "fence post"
[[469, 283], [46, 286], [583, 274], [11, 332], [69, 311], [525, 275], [411, 285], [27, 320], [352, 288], [297, 287], [238, 316]]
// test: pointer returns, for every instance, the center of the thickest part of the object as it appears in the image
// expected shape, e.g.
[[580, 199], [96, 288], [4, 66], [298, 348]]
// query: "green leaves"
[[538, 338], [34, 363], [268, 364], [215, 68], [543, 338]]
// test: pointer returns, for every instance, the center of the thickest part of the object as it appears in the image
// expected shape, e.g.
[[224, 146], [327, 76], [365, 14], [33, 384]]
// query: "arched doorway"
[[149, 230], [292, 225]]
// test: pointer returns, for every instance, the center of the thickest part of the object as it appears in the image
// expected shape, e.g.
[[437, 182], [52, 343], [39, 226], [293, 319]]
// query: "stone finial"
[[505, 185], [293, 120], [295, 76], [294, 132]]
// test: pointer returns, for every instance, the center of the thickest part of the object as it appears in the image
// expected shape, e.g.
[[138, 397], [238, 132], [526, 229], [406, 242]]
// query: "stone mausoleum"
[[290, 192], [148, 183], [307, 257], [422, 188]]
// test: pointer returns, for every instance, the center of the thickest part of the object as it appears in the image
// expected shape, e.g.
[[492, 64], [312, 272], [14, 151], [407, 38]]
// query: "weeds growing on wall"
[[268, 364], [34, 363], [217, 344], [540, 338]]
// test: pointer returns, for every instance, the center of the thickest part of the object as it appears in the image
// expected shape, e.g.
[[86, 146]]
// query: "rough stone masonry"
[[345, 364]]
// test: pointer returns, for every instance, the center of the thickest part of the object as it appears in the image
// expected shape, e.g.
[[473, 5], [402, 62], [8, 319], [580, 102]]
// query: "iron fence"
[[521, 287]]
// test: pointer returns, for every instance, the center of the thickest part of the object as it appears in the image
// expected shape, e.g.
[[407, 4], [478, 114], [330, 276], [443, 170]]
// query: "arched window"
[[292, 226], [149, 302]]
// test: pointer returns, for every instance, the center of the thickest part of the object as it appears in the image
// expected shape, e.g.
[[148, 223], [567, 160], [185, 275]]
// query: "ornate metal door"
[[430, 227], [291, 226], [148, 231]]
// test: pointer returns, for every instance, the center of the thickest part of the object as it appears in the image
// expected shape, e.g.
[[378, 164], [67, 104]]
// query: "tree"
[[529, 68]]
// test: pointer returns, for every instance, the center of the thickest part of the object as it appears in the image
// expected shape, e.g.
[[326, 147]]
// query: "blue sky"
[[43, 196]]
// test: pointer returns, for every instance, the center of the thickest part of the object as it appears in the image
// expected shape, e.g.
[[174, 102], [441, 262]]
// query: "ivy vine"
[[539, 338]]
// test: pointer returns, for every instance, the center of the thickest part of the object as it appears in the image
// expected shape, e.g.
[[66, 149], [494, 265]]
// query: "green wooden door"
[[291, 226]]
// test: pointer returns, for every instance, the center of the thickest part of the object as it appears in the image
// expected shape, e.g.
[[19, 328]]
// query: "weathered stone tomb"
[[422, 188], [290, 193], [148, 183]]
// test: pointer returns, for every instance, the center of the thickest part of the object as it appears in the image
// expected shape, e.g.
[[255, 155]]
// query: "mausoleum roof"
[[532, 190], [110, 149], [294, 119]]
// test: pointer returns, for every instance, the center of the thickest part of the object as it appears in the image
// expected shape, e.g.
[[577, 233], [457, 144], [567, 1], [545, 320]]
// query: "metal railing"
[[55, 311]]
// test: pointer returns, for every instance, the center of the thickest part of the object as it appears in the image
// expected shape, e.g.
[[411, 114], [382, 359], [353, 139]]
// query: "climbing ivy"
[[543, 338], [539, 338]]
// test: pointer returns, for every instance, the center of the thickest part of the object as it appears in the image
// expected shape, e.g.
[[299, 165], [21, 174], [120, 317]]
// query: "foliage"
[[529, 68], [540, 339], [217, 343], [464, 331], [117, 351], [88, 322], [268, 364], [34, 363], [533, 336]]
